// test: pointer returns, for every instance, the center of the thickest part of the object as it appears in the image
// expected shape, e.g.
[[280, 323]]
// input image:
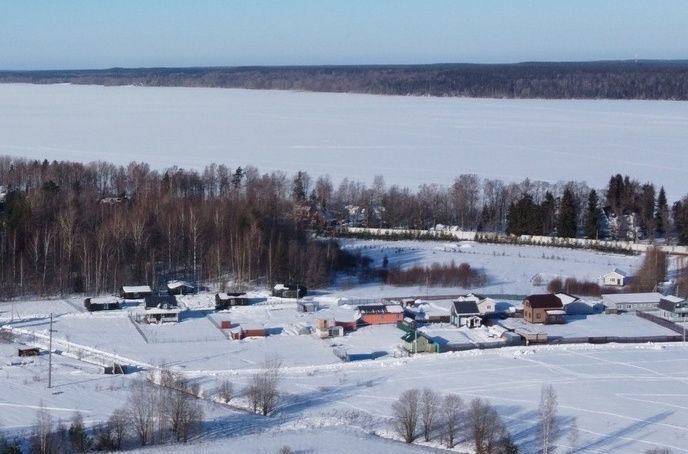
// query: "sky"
[[80, 34]]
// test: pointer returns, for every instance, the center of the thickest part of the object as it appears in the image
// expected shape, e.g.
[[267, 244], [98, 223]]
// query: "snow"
[[136, 288], [630, 298], [409, 140]]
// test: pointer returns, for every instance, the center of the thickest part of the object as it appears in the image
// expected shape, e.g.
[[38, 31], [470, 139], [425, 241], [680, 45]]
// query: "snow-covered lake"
[[409, 140]]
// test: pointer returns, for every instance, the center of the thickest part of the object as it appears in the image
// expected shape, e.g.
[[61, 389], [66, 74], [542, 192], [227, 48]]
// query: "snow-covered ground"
[[409, 140], [626, 398]]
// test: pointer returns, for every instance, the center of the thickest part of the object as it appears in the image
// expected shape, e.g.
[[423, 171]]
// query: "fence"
[[661, 322]]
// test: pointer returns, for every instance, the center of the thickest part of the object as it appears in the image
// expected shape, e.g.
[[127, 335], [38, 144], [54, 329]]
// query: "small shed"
[[101, 304], [135, 292], [236, 333], [179, 288], [419, 342], [116, 369], [226, 300], [289, 290], [28, 351], [306, 306], [673, 308], [254, 331], [616, 278]]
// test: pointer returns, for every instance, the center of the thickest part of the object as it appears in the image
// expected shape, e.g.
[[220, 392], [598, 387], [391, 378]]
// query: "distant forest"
[[666, 80], [72, 227]]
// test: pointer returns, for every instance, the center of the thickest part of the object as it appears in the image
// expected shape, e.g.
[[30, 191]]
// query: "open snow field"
[[409, 140], [626, 398]]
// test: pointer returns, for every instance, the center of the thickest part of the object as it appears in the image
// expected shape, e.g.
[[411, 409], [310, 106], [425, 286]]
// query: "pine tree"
[[567, 226], [523, 217], [615, 192], [680, 212], [592, 216], [646, 207], [548, 212], [662, 214]]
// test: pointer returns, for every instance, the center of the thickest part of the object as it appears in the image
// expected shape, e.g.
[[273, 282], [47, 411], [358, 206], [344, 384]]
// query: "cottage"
[[289, 291], [226, 300], [179, 288], [485, 304], [101, 304], [574, 305], [616, 278], [673, 308], [631, 302], [161, 308], [465, 313], [381, 314], [543, 308], [135, 292]]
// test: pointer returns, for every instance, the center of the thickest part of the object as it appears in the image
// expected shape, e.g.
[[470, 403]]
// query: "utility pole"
[[50, 353]]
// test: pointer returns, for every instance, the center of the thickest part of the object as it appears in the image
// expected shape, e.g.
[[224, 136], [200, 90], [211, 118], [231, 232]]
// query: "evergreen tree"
[[548, 213], [523, 217], [646, 207], [568, 226], [662, 214], [615, 192], [237, 177], [680, 212], [592, 216], [299, 188]]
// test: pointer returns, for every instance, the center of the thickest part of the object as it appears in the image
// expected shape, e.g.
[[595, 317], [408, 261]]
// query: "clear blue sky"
[[42, 34]]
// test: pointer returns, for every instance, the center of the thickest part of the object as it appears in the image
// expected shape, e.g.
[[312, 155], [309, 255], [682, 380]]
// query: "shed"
[[226, 300], [486, 305], [673, 308], [101, 304], [419, 342], [381, 314], [306, 306], [289, 290], [116, 369], [28, 351], [254, 331], [179, 288], [135, 292]]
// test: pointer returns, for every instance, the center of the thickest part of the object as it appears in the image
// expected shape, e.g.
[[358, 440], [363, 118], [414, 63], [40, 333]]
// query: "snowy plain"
[[408, 140]]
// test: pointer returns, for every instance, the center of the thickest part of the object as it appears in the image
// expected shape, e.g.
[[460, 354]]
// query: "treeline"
[[69, 227], [589, 80], [436, 275]]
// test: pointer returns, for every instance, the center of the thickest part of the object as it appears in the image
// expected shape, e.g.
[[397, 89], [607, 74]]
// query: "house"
[[574, 305], [418, 342], [428, 313], [135, 292], [326, 325], [673, 308], [616, 278], [381, 314], [631, 302], [543, 308], [226, 300], [101, 304], [161, 308], [179, 288], [485, 304], [465, 313], [289, 291]]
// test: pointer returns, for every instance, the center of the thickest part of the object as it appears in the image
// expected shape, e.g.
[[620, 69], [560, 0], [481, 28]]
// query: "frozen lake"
[[409, 140]]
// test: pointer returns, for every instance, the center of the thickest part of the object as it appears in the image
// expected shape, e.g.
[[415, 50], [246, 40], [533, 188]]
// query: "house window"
[[539, 315]]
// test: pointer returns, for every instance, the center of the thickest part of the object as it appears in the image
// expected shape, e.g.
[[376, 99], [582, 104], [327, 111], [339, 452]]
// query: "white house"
[[616, 278], [574, 305], [485, 304]]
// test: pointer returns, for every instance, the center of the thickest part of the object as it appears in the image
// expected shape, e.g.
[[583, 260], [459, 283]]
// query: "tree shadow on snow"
[[607, 440]]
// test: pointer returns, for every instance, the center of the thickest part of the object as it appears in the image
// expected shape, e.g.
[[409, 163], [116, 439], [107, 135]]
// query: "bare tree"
[[142, 409], [225, 391], [547, 418], [487, 429], [262, 389], [452, 407], [118, 426], [42, 438], [429, 409], [405, 413]]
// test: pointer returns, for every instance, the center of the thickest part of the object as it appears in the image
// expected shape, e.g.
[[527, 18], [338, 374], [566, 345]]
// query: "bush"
[[437, 275]]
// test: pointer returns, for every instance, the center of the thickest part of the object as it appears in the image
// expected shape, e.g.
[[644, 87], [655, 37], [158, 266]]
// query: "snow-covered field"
[[409, 140], [626, 398]]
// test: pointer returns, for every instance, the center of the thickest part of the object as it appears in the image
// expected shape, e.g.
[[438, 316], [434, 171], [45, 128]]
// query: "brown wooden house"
[[543, 308]]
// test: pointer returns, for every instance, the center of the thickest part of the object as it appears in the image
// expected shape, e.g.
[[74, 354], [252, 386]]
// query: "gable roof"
[[618, 271], [543, 301], [632, 298], [465, 307]]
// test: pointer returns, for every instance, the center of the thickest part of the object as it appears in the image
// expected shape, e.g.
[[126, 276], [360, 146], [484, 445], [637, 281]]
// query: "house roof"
[[673, 299], [543, 301], [465, 307], [566, 298], [178, 284], [160, 301], [136, 289], [618, 271], [632, 298], [372, 309]]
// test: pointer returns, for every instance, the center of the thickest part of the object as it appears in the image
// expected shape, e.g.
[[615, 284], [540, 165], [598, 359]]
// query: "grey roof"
[[465, 308]]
